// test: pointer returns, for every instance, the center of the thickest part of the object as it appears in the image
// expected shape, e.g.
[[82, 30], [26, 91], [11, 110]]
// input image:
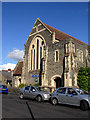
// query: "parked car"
[[71, 96], [34, 93], [3, 89]]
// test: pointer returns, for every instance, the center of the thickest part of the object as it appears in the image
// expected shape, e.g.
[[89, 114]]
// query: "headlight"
[[45, 95]]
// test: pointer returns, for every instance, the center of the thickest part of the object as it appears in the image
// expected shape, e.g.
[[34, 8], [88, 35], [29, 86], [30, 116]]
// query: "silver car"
[[33, 92], [71, 96]]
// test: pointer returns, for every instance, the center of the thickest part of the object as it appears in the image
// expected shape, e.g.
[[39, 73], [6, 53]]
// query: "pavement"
[[15, 108]]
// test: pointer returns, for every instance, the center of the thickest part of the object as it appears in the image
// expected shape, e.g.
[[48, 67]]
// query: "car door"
[[72, 97], [61, 92], [33, 92], [26, 91]]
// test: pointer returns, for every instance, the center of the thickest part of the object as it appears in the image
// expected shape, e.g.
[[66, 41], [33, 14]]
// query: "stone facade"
[[52, 57]]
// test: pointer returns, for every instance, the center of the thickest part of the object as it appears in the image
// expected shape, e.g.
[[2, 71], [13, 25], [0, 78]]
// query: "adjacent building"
[[52, 57], [6, 77], [16, 74]]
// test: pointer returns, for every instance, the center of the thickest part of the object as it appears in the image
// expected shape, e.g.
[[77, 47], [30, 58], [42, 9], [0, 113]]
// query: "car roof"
[[2, 85], [68, 87], [29, 86]]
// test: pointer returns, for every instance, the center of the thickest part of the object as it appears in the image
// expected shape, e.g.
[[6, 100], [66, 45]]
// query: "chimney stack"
[[9, 70]]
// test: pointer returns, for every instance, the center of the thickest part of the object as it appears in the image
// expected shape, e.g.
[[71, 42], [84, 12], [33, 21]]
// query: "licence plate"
[[3, 89]]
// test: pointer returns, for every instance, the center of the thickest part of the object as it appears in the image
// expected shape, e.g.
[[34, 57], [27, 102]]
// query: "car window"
[[27, 88], [4, 86], [43, 89], [71, 91], [81, 92], [32, 88], [61, 90]]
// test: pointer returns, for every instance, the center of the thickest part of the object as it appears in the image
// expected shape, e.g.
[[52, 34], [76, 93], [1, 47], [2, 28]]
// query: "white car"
[[71, 96]]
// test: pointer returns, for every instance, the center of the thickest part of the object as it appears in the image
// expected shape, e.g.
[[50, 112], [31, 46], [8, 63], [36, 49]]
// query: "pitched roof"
[[18, 69], [61, 35]]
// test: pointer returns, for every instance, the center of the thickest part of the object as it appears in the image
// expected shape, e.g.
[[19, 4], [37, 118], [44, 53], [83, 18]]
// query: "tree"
[[83, 78]]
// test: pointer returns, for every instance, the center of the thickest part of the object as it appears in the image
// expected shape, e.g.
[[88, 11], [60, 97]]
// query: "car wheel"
[[21, 96], [39, 98], [54, 101], [84, 105]]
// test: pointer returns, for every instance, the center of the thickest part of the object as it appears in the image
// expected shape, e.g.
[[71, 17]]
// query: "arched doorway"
[[58, 82]]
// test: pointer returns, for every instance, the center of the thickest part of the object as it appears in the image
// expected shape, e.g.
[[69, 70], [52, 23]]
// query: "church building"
[[52, 57]]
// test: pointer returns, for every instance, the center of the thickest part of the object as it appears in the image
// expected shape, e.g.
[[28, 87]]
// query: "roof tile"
[[18, 70], [61, 35]]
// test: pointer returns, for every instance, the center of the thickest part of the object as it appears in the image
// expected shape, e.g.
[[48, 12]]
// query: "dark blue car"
[[3, 89]]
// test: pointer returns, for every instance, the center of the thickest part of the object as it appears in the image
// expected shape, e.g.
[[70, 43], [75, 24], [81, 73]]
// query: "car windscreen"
[[43, 89], [81, 92]]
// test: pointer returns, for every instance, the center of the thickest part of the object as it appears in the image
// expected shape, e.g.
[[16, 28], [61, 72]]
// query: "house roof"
[[18, 68], [59, 34], [63, 36], [6, 74]]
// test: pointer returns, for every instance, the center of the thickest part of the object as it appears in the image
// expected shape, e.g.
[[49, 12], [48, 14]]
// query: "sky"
[[18, 19]]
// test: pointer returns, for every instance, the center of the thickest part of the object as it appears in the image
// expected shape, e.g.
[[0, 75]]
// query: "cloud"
[[7, 66], [16, 55]]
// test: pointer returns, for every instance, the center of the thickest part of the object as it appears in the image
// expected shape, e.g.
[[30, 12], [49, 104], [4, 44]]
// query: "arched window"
[[36, 53], [56, 55], [31, 59], [73, 47], [40, 54], [34, 59]]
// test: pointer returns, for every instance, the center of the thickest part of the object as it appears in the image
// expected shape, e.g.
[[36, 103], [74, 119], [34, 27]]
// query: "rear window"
[[4, 86]]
